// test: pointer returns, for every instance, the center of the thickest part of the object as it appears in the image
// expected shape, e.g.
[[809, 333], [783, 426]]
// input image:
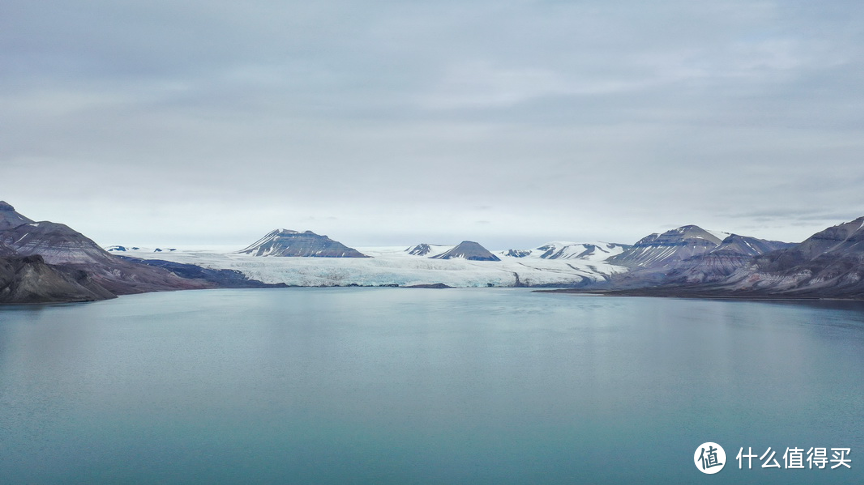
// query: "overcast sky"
[[393, 123]]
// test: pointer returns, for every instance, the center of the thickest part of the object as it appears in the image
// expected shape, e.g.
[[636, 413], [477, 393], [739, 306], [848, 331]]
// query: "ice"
[[394, 266]]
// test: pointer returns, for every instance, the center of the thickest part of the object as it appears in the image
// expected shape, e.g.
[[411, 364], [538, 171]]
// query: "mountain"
[[733, 253], [687, 255], [653, 257], [120, 249], [124, 249], [419, 250], [427, 250], [286, 243], [56, 243], [69, 251], [9, 218], [748, 246], [469, 250], [30, 280], [599, 251], [59, 244], [663, 250], [846, 238], [828, 264], [50, 262]]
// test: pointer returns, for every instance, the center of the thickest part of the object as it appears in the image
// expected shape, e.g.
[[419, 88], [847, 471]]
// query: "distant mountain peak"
[[419, 250], [748, 246], [846, 238], [469, 250], [10, 219], [668, 248], [590, 251], [683, 233], [692, 231], [307, 244], [829, 263]]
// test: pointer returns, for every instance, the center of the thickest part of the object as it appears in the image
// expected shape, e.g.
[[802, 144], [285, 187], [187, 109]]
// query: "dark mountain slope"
[[419, 250], [59, 244], [469, 250], [667, 249], [64, 248], [733, 253], [29, 280], [9, 218], [287, 243], [652, 258], [829, 264]]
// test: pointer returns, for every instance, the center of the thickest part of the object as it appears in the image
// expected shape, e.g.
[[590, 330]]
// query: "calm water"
[[423, 386]]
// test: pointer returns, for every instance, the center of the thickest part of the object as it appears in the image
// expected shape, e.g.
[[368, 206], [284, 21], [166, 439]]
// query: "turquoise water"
[[479, 386]]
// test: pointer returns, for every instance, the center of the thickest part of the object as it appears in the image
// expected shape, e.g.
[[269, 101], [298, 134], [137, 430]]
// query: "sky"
[[510, 123]]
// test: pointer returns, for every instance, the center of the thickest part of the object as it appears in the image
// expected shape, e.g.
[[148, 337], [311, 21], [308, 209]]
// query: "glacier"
[[395, 266]]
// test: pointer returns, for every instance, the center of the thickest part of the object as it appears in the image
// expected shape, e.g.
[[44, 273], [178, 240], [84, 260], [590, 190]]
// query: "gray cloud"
[[393, 123]]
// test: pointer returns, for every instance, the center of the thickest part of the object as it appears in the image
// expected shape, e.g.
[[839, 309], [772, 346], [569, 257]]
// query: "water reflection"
[[394, 386]]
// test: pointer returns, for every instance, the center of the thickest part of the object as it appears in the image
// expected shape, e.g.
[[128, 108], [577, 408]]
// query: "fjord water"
[[357, 385]]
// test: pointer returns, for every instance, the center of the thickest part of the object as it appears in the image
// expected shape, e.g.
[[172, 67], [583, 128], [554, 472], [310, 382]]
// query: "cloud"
[[479, 84], [569, 120]]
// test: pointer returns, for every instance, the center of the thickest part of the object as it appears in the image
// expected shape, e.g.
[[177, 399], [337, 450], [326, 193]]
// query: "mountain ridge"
[[64, 251], [47, 261], [307, 244], [469, 250]]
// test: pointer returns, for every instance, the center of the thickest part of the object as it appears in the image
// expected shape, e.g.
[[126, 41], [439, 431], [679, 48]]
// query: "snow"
[[394, 266], [591, 251], [434, 250]]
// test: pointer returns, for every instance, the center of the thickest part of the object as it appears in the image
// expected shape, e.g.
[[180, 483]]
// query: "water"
[[479, 386]]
